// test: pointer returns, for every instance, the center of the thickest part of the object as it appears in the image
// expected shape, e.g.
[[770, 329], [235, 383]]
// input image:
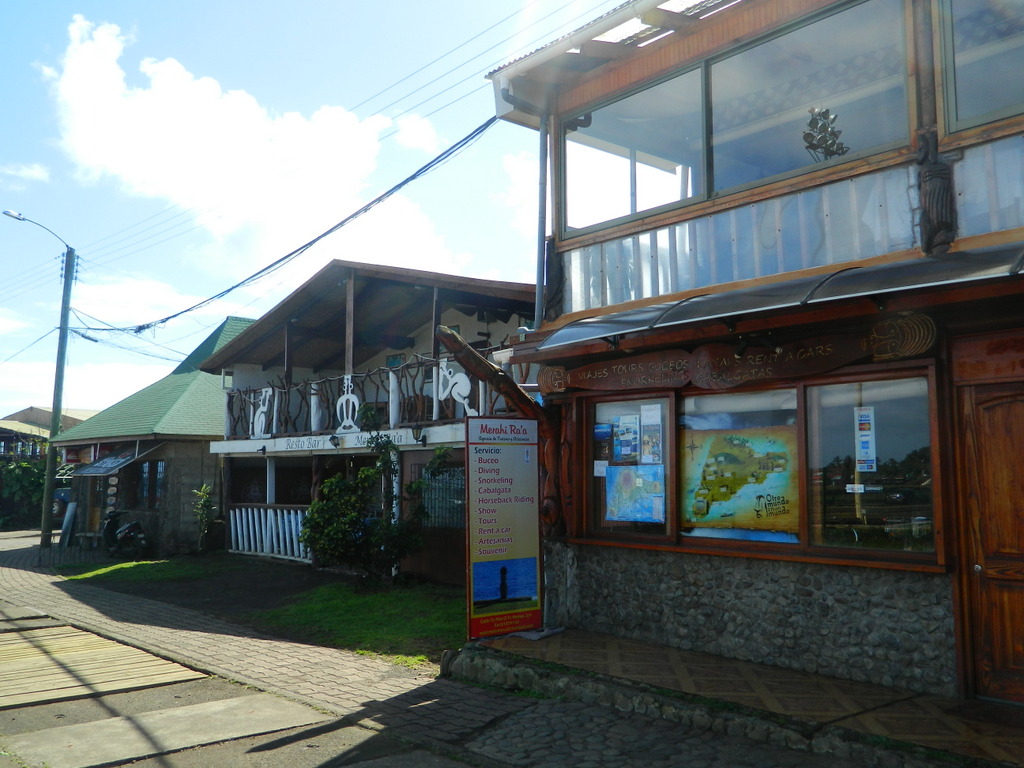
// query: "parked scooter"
[[128, 540]]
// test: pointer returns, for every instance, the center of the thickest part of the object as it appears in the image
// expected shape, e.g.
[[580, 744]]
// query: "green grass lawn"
[[408, 624], [178, 569]]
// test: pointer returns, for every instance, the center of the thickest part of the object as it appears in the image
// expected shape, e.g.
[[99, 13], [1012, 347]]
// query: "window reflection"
[[639, 153], [766, 99], [988, 53], [870, 465]]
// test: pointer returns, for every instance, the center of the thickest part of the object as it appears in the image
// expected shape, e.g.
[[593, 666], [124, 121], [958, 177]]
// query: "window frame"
[[592, 531], [805, 549], [566, 231]]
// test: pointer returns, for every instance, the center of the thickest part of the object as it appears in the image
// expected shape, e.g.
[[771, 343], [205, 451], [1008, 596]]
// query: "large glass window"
[[827, 89], [870, 465], [629, 454], [986, 39], [740, 467], [834, 88], [812, 468], [639, 153]]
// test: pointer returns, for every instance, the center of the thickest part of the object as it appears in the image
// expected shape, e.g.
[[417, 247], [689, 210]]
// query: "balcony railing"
[[423, 391]]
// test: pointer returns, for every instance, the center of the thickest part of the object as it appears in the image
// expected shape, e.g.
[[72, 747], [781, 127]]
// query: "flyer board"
[[502, 530]]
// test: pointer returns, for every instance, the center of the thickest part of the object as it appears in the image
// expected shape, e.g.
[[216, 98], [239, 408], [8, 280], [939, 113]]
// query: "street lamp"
[[50, 478]]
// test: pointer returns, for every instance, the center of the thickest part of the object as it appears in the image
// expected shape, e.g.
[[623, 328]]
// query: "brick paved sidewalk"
[[368, 691]]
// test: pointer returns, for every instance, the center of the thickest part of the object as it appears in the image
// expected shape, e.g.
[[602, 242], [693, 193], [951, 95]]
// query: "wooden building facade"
[[352, 338], [783, 338]]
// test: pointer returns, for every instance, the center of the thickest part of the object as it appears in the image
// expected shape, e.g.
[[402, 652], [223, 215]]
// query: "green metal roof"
[[187, 402]]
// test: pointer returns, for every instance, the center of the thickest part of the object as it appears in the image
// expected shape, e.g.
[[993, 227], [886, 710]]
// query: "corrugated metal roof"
[[601, 28]]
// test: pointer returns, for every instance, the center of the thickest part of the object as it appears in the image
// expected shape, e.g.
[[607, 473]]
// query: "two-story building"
[[784, 332], [355, 336]]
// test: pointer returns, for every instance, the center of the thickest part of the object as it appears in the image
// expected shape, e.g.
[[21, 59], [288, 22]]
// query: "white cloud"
[[519, 198], [92, 386], [25, 172], [260, 183], [417, 132], [9, 323], [127, 300]]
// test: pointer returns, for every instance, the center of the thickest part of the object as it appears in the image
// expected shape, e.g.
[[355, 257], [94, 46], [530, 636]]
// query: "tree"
[[205, 511]]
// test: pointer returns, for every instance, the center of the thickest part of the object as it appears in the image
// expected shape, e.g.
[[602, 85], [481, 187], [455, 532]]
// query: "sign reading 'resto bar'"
[[503, 535]]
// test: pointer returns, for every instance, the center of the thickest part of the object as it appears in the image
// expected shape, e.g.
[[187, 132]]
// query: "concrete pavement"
[[434, 721]]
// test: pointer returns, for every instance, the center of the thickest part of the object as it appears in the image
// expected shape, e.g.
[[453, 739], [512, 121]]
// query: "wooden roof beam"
[[657, 17], [598, 49]]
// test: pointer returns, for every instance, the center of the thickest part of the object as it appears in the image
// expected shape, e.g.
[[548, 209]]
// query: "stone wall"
[[892, 628]]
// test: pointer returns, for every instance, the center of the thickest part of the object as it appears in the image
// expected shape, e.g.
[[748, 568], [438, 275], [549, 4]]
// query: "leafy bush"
[[353, 521], [21, 491]]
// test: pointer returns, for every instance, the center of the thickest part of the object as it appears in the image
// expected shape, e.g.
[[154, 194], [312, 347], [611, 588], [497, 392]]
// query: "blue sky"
[[180, 148]]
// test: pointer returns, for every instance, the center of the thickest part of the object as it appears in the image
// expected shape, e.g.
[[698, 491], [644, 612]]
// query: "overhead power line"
[[424, 170], [102, 252]]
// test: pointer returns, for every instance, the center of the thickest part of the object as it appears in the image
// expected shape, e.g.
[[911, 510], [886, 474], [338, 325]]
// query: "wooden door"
[[992, 469]]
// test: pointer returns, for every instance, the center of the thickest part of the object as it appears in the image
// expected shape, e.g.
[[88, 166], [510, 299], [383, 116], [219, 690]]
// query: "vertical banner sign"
[[503, 536], [864, 424]]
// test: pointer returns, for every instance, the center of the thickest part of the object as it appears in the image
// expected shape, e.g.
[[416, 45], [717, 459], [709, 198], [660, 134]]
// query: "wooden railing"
[[266, 529]]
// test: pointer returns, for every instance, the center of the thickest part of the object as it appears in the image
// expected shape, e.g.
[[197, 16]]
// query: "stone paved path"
[[473, 725]]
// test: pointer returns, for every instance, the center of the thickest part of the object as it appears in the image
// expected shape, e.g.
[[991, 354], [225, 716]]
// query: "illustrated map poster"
[[503, 533], [741, 478]]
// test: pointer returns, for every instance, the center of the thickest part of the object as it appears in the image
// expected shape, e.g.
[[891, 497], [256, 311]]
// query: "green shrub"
[[353, 521], [21, 491]]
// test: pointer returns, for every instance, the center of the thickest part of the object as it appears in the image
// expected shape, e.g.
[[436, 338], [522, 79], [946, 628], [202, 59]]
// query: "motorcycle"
[[124, 540]]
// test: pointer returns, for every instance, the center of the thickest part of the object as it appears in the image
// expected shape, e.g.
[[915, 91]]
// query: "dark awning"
[[846, 283], [109, 465]]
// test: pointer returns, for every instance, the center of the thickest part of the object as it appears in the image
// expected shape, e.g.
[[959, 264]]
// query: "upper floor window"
[[833, 88], [638, 153], [985, 40], [830, 90]]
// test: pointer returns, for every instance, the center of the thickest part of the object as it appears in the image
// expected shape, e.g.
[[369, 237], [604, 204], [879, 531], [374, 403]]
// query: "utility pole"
[[50, 476]]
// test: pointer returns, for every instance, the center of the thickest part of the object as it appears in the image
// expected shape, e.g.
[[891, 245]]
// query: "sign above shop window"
[[723, 366]]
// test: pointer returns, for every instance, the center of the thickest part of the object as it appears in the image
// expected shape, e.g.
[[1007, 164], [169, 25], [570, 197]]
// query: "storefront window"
[[739, 462], [629, 478], [870, 465], [986, 41]]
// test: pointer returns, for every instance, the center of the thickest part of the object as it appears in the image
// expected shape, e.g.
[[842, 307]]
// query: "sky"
[[180, 148]]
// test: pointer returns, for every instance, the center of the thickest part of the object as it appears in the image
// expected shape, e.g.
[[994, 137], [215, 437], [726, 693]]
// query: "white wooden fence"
[[261, 529]]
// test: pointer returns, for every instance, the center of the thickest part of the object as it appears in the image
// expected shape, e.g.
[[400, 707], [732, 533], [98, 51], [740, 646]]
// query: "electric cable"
[[29, 346], [275, 265], [99, 259]]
